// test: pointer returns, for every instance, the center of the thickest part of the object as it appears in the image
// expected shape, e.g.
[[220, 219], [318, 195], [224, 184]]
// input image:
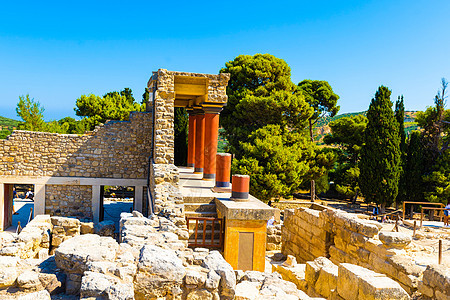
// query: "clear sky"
[[57, 51]]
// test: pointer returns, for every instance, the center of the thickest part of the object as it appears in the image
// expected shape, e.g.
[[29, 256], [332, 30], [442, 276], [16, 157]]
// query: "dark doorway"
[[115, 200], [19, 205]]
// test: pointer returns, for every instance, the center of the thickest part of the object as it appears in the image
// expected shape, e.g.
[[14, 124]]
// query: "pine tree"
[[380, 155]]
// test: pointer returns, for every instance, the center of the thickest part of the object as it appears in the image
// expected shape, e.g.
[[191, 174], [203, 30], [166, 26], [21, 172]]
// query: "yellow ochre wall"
[[231, 247]]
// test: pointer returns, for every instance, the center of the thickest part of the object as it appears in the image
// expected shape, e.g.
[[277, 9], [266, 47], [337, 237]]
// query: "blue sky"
[[57, 51]]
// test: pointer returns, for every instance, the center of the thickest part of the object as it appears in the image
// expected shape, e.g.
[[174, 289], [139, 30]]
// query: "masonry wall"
[[343, 238], [69, 201], [114, 150]]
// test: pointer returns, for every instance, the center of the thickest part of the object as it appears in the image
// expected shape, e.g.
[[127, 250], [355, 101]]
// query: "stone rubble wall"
[[343, 238], [436, 282], [164, 185], [114, 150], [273, 237], [69, 200]]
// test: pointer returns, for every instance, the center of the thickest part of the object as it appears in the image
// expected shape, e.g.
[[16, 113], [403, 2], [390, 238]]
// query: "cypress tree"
[[380, 155], [414, 187], [399, 116]]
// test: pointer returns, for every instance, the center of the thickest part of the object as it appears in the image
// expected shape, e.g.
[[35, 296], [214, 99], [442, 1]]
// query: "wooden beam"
[[190, 89]]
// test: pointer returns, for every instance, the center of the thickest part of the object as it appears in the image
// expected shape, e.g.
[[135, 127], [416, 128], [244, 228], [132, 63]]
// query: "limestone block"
[[438, 278], [247, 290], [159, 270], [202, 294], [212, 280], [54, 283], [41, 295], [425, 289], [8, 261], [366, 284], [215, 261], [74, 254], [29, 280], [98, 285], [397, 240], [321, 274], [87, 227], [274, 285], [194, 277], [8, 276]]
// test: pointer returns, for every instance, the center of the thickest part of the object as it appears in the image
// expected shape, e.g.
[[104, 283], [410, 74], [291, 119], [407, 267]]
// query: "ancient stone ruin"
[[189, 235]]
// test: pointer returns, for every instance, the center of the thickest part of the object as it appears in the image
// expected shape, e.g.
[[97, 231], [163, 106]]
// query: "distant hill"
[[7, 126], [322, 126]]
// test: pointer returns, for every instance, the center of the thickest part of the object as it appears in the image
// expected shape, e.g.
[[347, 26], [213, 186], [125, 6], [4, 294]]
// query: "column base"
[[222, 184], [198, 170], [190, 165], [209, 176], [243, 196]]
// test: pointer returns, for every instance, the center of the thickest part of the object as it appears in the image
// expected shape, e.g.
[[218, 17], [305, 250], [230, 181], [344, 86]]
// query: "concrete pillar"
[[96, 203], [211, 135], [191, 139], [223, 169], [138, 198], [199, 143], [39, 199], [240, 187]]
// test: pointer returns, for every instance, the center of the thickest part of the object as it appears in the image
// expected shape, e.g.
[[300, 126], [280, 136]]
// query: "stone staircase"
[[201, 207]]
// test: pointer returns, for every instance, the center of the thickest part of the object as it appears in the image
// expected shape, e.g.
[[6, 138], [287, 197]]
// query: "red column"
[[191, 140], [223, 169], [211, 135], [199, 143], [240, 186]]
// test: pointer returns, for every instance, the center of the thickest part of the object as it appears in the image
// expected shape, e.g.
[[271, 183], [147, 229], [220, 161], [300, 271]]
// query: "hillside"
[[322, 127], [7, 126]]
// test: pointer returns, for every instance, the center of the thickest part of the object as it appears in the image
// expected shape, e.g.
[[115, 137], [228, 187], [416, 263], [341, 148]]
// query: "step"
[[207, 236], [197, 207], [201, 214], [198, 199]]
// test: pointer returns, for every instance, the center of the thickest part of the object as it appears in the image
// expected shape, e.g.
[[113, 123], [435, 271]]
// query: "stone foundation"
[[343, 238]]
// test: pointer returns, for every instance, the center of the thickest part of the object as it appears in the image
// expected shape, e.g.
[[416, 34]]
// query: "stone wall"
[[69, 201], [304, 234], [343, 238], [436, 282], [114, 150], [164, 180]]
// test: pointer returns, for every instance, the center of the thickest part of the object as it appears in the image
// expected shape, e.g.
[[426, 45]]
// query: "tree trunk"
[[382, 208], [356, 197]]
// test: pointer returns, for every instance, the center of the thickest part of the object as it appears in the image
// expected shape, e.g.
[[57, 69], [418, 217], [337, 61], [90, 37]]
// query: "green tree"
[[415, 168], [435, 122], [400, 116], [380, 154], [112, 106], [181, 121], [348, 134], [439, 179], [259, 75], [31, 113], [323, 100], [277, 161]]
